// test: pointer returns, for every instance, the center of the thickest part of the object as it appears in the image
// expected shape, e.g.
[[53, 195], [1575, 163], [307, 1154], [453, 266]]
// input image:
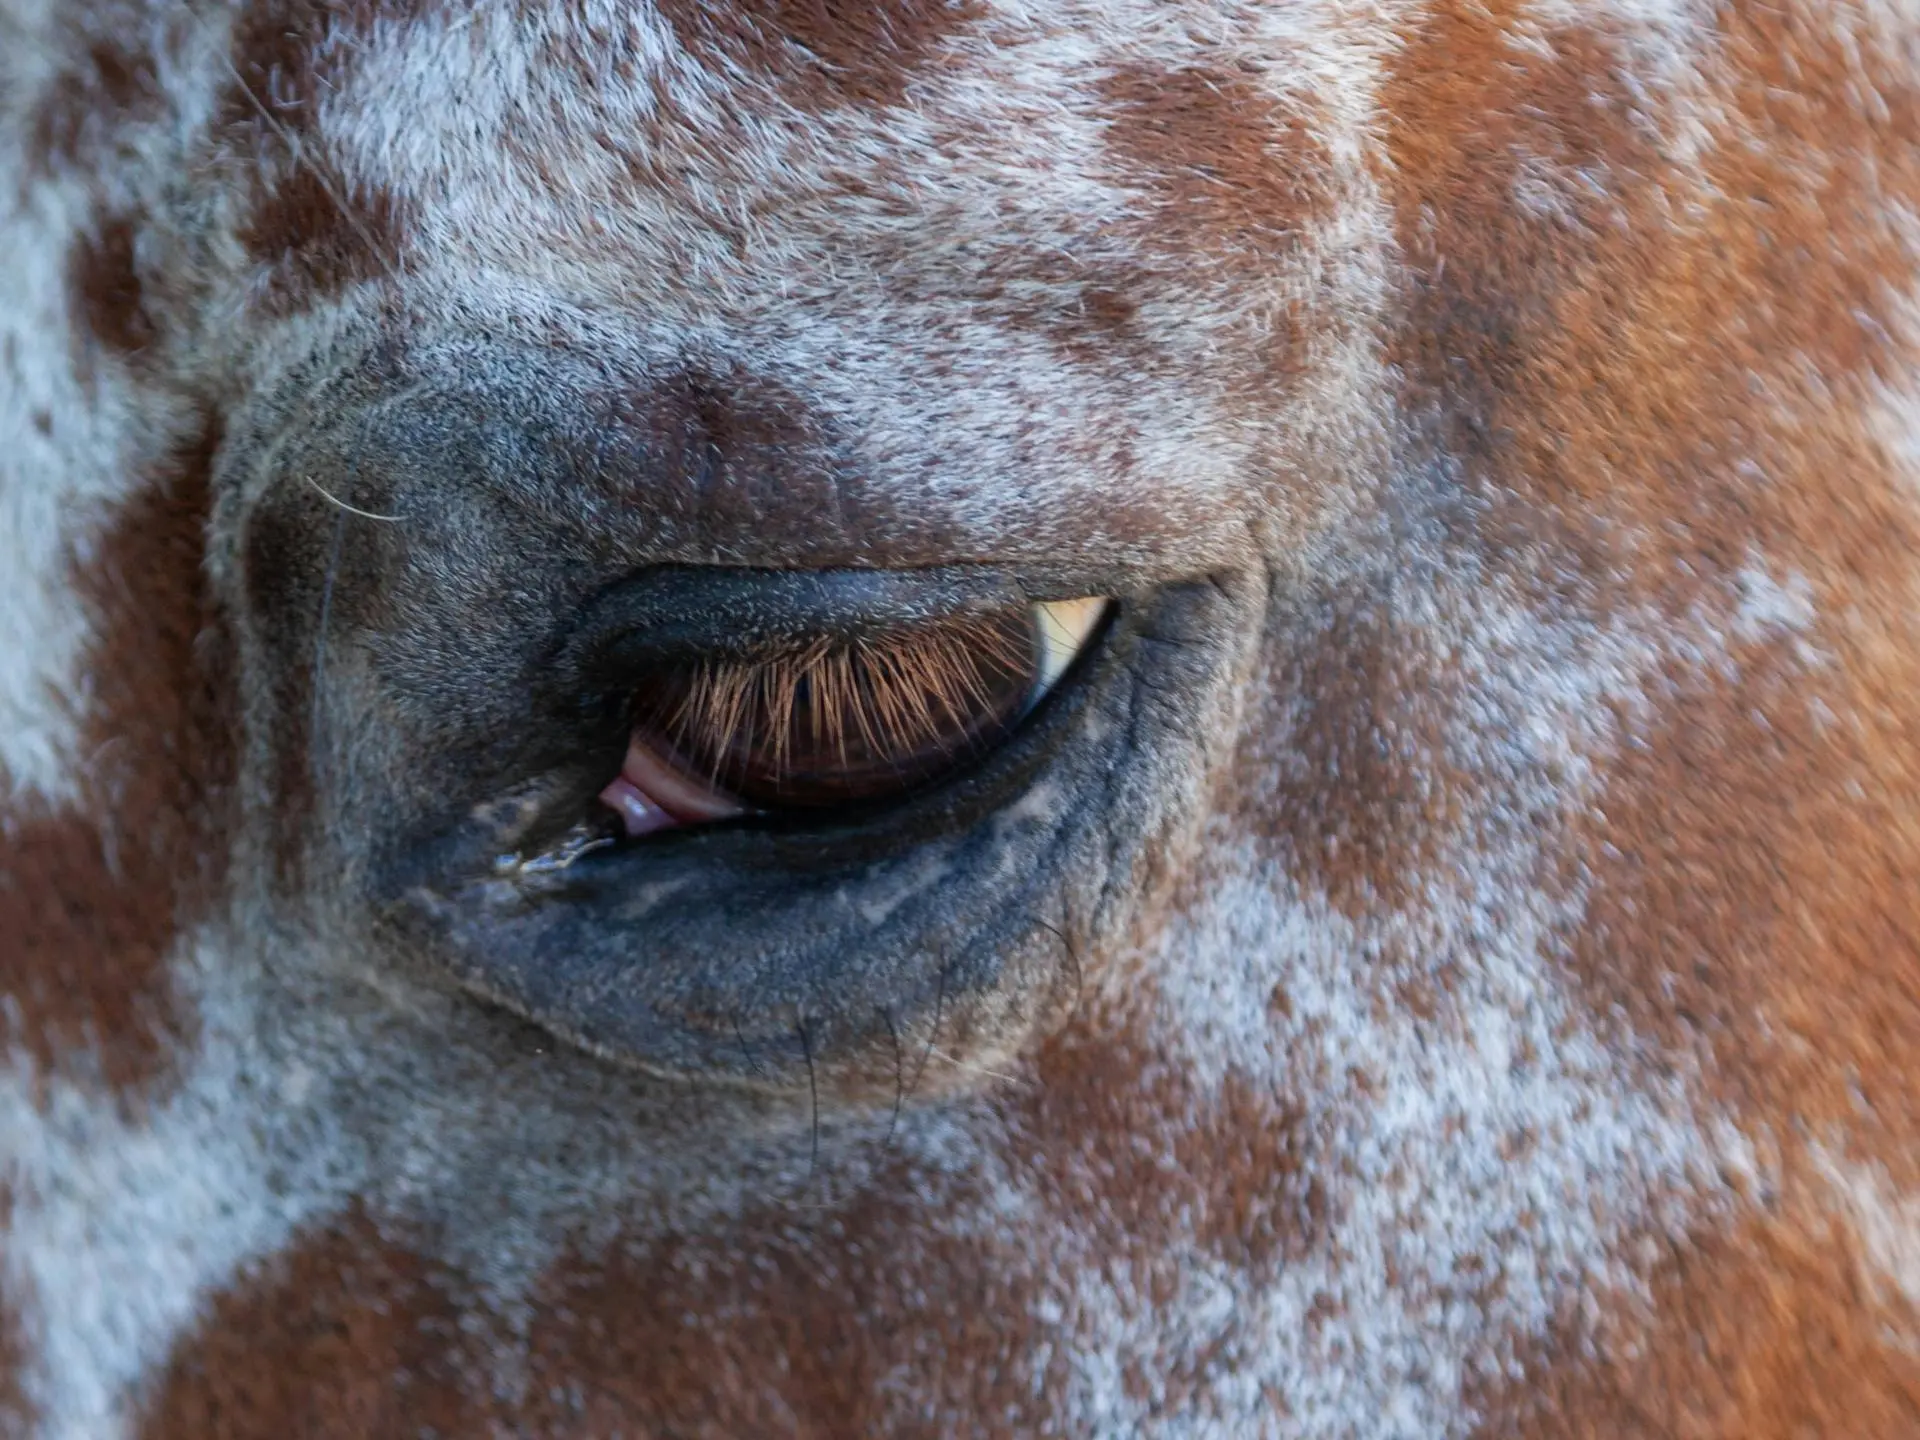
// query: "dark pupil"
[[834, 723]]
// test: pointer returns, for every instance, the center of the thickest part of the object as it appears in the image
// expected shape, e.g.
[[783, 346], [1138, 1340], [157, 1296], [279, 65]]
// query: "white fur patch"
[[75, 434], [1500, 1140], [60, 465], [1884, 1219], [1769, 606], [121, 1226]]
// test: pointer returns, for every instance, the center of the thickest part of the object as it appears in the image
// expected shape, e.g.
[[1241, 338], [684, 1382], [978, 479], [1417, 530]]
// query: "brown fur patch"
[[351, 1334], [1771, 1332], [1232, 180], [1241, 1176], [1466, 113], [823, 53], [108, 301], [346, 1334], [317, 240], [1358, 796], [1597, 358], [1663, 399], [1756, 903], [862, 1316], [1233, 171], [821, 1313], [316, 232], [287, 54], [1747, 854], [90, 899], [113, 84]]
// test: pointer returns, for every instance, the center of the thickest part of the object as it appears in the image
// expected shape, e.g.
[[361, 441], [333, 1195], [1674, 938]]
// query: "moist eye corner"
[[597, 831]]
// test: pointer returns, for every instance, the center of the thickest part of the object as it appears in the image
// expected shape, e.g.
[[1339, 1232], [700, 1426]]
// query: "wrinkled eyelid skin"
[[690, 944], [457, 723]]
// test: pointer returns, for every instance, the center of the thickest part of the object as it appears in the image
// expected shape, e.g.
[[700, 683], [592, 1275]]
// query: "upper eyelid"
[[676, 611]]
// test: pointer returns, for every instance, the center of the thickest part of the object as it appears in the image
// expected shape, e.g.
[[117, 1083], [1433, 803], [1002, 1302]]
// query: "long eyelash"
[[892, 694]]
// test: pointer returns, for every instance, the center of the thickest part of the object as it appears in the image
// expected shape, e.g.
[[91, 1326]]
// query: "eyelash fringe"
[[897, 695]]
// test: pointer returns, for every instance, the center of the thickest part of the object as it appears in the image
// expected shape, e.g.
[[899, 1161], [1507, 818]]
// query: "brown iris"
[[832, 721]]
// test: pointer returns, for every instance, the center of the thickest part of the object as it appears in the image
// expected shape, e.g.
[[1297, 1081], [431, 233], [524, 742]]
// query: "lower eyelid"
[[686, 800]]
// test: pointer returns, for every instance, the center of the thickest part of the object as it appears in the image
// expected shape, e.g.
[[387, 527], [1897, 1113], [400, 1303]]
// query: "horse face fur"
[[1448, 939]]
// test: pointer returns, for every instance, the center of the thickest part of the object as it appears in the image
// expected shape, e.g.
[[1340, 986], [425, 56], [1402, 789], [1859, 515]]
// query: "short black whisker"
[[933, 1031], [899, 1078], [813, 1090], [753, 1061]]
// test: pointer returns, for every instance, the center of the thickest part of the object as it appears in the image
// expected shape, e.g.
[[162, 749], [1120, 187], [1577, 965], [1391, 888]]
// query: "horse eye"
[[828, 721]]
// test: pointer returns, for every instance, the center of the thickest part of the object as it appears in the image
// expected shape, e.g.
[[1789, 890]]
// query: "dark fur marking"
[[737, 463], [1228, 164], [343, 1334], [824, 53], [90, 899], [316, 240], [108, 300], [114, 84]]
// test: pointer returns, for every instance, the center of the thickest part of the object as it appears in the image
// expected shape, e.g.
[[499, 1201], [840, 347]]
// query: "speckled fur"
[[1480, 1000]]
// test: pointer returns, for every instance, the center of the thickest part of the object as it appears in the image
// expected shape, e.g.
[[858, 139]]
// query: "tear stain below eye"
[[649, 794]]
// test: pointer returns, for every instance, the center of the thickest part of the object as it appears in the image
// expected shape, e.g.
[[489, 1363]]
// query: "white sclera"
[[1064, 628]]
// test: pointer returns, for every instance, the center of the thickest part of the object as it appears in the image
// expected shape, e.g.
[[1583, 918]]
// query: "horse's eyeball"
[[825, 722]]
